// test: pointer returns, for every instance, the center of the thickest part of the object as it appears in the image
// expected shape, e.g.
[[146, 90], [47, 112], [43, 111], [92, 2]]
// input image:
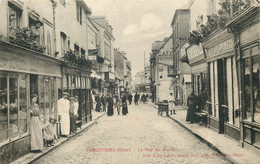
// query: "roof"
[[84, 5], [91, 21], [164, 42], [179, 11]]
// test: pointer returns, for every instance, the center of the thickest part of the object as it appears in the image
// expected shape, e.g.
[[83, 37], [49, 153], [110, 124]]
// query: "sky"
[[137, 24]]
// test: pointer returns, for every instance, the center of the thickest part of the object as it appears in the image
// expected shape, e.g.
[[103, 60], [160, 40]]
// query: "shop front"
[[245, 28], [199, 76], [77, 82], [22, 73], [223, 83]]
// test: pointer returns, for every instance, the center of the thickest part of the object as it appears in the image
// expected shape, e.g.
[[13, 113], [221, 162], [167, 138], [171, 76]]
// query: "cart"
[[163, 107]]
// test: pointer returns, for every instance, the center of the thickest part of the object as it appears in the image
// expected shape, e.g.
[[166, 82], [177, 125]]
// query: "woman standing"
[[36, 127], [110, 109], [124, 105]]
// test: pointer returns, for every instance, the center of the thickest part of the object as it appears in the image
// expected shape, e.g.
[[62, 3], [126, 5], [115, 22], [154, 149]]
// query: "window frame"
[[19, 134]]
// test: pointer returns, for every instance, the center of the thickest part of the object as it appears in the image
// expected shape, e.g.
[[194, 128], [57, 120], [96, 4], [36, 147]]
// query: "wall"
[[77, 33]]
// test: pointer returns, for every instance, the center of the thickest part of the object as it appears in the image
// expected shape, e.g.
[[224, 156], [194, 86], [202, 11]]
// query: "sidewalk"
[[223, 145], [31, 157]]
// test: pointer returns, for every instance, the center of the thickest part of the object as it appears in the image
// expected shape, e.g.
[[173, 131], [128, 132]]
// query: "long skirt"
[[72, 123], [36, 134], [65, 124], [98, 106], [125, 110], [190, 114], [110, 110]]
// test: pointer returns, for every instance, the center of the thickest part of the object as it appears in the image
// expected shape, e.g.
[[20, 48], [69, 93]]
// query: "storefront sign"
[[194, 51], [27, 62], [221, 48]]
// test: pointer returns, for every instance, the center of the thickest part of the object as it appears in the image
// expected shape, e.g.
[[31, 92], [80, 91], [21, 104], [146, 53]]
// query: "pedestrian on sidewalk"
[[36, 126], [72, 116], [117, 103], [124, 105], [110, 109], [130, 98], [136, 98], [63, 113], [104, 103], [76, 105], [98, 101], [171, 105], [192, 103]]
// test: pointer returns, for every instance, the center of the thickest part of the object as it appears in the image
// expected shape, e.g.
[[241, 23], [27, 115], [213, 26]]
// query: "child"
[[49, 132]]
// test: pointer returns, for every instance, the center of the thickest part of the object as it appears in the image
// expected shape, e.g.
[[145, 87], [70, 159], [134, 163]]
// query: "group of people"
[[144, 98], [107, 104], [67, 115]]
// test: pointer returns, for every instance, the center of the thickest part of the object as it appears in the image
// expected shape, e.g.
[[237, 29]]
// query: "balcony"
[[71, 59], [26, 37]]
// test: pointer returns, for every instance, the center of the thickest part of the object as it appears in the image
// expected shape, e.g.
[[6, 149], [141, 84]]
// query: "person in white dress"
[[171, 105], [63, 113]]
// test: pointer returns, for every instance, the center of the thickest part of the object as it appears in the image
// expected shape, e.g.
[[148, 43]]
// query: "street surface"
[[140, 137]]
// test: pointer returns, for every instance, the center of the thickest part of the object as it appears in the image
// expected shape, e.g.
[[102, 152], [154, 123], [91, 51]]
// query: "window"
[[76, 50], [79, 14], [34, 25], [83, 53], [63, 40], [13, 100], [161, 69], [15, 16]]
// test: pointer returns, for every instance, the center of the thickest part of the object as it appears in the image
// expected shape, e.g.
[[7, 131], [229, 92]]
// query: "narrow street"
[[139, 137]]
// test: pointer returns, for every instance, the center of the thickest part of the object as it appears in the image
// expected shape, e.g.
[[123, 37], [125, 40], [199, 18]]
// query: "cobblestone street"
[[139, 137]]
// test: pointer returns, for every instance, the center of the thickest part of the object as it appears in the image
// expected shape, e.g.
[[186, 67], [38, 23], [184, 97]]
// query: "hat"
[[65, 93], [76, 97], [71, 98]]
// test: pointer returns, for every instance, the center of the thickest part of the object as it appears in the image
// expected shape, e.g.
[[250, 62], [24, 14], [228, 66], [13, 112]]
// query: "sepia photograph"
[[129, 82]]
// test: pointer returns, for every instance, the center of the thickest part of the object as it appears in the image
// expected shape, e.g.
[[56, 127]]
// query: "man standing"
[[171, 104], [76, 105], [130, 98], [72, 116], [63, 113], [192, 103], [136, 98]]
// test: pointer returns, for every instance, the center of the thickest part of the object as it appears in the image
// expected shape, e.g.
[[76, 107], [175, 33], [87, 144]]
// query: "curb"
[[68, 139], [203, 140]]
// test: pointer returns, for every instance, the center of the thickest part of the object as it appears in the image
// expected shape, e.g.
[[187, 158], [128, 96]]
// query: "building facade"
[[33, 36], [180, 33], [105, 41]]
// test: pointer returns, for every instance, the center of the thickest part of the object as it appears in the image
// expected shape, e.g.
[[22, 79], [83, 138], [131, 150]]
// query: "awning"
[[186, 79]]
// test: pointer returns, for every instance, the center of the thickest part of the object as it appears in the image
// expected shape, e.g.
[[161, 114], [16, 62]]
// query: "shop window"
[[256, 88], [23, 126], [3, 109], [16, 104], [247, 93]]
